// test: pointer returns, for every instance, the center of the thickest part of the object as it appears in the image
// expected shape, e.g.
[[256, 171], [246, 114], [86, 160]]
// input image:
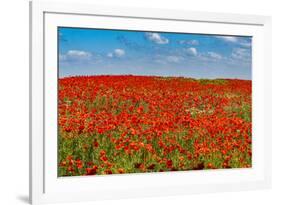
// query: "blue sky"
[[103, 52]]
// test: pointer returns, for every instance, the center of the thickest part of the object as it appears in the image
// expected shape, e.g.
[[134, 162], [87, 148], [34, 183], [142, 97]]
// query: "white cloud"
[[191, 51], [174, 59], [119, 52], [156, 38], [75, 55], [232, 39], [78, 54], [189, 42], [116, 53]]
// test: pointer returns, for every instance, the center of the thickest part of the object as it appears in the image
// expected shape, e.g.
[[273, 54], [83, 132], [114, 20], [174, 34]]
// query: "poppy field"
[[134, 124]]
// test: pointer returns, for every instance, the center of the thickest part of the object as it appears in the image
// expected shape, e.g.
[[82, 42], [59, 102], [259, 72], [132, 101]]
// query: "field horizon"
[[170, 76]]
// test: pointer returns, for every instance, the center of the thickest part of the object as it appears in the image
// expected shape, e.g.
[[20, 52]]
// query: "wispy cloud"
[[242, 42], [156, 38], [210, 56], [62, 37], [245, 44], [131, 44], [168, 60], [189, 42], [241, 54], [174, 59], [214, 55], [232, 39]]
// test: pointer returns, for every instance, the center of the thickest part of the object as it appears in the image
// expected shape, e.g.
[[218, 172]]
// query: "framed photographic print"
[[129, 102]]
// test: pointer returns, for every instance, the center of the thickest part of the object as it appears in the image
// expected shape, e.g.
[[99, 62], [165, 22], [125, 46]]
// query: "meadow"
[[135, 124]]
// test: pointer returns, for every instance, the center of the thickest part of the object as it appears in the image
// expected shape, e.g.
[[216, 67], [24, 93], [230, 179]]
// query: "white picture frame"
[[46, 187]]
